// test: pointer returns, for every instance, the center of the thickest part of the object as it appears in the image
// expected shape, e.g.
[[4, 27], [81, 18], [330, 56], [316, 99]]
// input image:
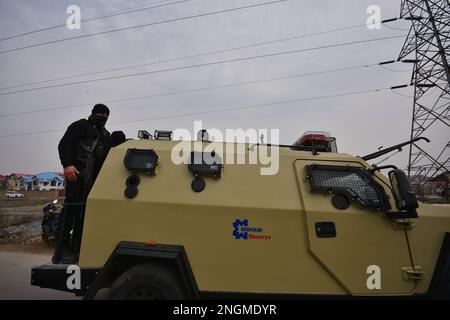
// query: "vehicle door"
[[347, 229]]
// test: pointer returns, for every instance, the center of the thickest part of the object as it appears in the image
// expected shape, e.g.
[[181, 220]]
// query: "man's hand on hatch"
[[70, 173]]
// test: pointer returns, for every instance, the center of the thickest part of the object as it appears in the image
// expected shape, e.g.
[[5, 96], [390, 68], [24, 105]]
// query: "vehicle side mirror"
[[405, 198]]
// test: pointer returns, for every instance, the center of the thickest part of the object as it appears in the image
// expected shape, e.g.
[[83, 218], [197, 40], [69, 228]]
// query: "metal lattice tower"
[[428, 41]]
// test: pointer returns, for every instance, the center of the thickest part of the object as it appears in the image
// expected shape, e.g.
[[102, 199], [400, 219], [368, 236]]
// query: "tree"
[[11, 183]]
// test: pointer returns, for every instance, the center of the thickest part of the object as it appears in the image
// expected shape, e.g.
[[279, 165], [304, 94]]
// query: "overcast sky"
[[361, 123]]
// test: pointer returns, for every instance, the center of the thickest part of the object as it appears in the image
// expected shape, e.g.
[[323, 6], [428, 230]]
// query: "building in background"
[[13, 181], [439, 186], [46, 181], [3, 180]]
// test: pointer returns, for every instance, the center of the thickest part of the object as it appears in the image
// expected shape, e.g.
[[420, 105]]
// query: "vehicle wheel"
[[146, 281], [102, 294], [44, 237], [50, 240]]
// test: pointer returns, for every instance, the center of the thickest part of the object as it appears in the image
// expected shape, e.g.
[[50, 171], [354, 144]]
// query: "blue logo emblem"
[[237, 229], [242, 230]]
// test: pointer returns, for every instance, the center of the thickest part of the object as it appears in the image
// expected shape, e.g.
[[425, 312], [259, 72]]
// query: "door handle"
[[325, 229]]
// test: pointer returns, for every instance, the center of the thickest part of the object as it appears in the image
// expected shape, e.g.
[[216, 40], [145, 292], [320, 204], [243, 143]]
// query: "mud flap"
[[440, 283]]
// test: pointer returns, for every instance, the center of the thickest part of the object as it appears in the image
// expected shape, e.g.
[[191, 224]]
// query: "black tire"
[[147, 281], [47, 239], [102, 294]]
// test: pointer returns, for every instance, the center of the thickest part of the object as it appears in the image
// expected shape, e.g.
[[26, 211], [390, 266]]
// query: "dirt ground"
[[34, 245], [21, 248], [20, 226], [22, 202], [15, 211]]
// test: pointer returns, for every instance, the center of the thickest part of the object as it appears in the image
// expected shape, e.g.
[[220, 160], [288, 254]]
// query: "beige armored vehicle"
[[325, 224]]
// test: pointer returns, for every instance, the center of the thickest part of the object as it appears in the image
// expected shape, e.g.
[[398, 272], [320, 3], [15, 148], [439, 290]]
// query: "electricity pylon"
[[428, 48]]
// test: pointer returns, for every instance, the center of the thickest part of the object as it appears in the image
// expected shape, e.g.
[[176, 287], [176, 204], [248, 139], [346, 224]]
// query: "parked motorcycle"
[[50, 222]]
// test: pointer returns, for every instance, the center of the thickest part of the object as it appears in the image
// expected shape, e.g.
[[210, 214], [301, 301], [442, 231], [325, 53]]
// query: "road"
[[15, 270]]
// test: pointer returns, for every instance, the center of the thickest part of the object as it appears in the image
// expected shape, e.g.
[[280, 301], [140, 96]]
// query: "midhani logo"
[[242, 230]]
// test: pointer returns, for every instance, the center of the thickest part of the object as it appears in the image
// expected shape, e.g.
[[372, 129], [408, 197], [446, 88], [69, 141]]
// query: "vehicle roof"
[[167, 145]]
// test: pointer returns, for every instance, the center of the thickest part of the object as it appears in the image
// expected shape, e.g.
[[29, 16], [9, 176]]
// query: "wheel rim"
[[144, 293]]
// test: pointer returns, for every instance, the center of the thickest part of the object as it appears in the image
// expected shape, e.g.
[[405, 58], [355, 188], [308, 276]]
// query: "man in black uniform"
[[82, 151]]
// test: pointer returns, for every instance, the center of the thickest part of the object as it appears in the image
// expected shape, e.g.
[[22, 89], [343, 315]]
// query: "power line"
[[203, 64], [193, 90], [401, 95], [388, 157], [393, 70], [396, 28], [143, 25], [222, 109], [112, 14], [195, 55], [186, 57], [253, 106], [410, 97]]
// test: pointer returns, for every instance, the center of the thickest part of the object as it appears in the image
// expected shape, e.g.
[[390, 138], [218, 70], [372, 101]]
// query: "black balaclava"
[[99, 121]]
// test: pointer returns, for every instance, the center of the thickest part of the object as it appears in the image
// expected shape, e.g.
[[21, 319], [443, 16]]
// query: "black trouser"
[[76, 195], [72, 218]]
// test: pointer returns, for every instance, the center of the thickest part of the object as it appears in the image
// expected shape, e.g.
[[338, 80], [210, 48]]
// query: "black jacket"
[[83, 132]]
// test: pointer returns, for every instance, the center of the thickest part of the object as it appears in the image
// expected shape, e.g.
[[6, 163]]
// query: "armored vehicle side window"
[[354, 182]]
